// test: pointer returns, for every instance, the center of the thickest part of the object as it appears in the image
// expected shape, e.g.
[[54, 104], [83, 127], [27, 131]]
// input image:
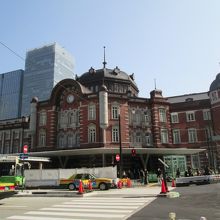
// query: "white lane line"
[[86, 210], [13, 206], [97, 206], [102, 203], [76, 214], [112, 199], [109, 201], [21, 217]]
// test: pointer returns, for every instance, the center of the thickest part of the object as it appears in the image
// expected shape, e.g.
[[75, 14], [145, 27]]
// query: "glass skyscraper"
[[44, 68], [11, 94]]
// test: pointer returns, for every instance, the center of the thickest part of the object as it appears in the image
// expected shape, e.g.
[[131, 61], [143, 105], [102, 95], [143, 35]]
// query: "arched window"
[[61, 140], [70, 140], [92, 134]]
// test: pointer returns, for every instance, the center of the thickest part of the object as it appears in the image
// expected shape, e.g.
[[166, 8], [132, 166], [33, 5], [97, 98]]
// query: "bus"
[[12, 168]]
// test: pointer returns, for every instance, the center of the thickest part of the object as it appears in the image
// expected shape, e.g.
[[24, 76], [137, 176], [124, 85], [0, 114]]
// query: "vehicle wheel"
[[103, 186], [72, 186]]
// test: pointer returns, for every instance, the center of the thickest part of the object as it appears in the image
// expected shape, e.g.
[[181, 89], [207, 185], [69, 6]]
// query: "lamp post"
[[120, 148]]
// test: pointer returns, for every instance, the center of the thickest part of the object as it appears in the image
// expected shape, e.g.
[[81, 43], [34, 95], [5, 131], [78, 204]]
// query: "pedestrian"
[[145, 177], [177, 173], [159, 175], [142, 175]]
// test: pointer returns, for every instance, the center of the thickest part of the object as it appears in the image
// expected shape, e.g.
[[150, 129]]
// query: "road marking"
[[86, 210], [13, 206], [97, 206], [97, 215], [20, 217], [101, 203], [100, 208]]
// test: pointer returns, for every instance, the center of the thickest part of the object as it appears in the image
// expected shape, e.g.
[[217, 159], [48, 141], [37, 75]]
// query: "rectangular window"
[[16, 134], [174, 118], [147, 116], [208, 133], [195, 161], [115, 112], [115, 134], [164, 136], [162, 115], [43, 118], [92, 113], [176, 136], [192, 135], [190, 116], [7, 135], [206, 115]]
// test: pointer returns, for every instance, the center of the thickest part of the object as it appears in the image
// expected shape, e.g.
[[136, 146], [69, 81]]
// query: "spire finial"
[[104, 63], [155, 84]]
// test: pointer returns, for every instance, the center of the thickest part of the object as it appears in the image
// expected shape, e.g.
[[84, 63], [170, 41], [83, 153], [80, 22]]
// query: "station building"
[[88, 120]]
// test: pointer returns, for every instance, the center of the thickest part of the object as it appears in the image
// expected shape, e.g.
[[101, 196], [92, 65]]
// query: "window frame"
[[174, 117], [164, 136], [162, 115], [176, 136], [192, 135], [115, 134], [91, 134], [190, 116]]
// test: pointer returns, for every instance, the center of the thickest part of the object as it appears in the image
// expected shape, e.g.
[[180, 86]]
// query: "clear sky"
[[175, 42]]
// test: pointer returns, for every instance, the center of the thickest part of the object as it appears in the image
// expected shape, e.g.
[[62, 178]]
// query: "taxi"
[[97, 183]]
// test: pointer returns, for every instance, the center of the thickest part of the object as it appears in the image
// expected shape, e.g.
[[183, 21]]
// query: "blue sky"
[[175, 42]]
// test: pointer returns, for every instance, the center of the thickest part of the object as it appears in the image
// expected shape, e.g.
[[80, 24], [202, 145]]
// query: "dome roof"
[[215, 84], [100, 74]]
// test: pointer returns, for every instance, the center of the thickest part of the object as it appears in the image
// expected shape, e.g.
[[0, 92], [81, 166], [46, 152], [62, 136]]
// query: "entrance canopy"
[[111, 151]]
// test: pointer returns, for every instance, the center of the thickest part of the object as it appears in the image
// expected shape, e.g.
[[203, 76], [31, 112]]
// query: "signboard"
[[117, 157], [25, 149]]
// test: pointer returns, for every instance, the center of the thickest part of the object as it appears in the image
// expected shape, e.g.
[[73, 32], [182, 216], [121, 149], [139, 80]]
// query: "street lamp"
[[120, 148]]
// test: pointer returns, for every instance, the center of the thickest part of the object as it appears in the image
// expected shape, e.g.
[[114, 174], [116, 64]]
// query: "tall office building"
[[11, 94], [44, 68]]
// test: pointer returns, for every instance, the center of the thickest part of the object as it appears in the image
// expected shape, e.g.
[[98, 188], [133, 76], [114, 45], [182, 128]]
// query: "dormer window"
[[116, 71], [92, 70], [189, 100]]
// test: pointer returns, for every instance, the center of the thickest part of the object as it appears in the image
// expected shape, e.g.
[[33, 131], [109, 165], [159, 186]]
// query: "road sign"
[[117, 157], [25, 149], [23, 156]]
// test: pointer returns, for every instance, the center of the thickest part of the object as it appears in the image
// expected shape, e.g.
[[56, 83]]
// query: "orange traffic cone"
[[90, 185], [81, 190], [163, 187], [173, 183], [128, 182]]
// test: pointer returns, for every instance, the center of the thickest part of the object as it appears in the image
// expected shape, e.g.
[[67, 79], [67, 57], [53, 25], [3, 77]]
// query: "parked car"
[[97, 183]]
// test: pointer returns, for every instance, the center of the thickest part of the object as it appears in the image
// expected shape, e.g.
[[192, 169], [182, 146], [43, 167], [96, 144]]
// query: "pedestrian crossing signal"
[[133, 152]]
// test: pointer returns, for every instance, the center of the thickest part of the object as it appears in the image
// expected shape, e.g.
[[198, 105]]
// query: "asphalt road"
[[194, 202]]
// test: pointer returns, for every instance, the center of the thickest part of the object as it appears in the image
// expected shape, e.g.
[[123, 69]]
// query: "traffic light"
[[133, 152]]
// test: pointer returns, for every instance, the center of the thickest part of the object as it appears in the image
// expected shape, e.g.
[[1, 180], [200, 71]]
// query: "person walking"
[[177, 173]]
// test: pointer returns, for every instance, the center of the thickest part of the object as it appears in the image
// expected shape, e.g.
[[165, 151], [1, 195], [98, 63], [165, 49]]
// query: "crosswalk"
[[88, 208]]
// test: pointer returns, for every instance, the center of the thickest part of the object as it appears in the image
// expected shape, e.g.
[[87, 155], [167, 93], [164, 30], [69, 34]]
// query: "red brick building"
[[86, 120]]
